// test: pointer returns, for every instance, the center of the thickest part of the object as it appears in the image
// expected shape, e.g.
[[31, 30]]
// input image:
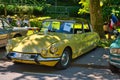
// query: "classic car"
[[7, 31], [114, 55], [58, 42]]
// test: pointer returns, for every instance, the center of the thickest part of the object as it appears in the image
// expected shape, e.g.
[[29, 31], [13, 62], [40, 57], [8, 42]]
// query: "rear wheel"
[[65, 60]]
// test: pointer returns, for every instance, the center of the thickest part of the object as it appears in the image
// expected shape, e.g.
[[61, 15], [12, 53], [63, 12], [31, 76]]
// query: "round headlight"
[[53, 49], [44, 52]]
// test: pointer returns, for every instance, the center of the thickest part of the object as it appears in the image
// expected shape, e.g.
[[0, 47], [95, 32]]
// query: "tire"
[[113, 68], [65, 60]]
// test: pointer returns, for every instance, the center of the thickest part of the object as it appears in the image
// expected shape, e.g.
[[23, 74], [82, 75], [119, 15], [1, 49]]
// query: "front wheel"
[[65, 60]]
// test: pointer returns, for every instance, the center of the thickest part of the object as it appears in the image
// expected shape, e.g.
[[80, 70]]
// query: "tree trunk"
[[5, 10], [96, 17]]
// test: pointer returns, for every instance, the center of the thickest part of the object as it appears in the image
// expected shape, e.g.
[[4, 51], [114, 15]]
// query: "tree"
[[20, 3], [96, 17], [85, 7]]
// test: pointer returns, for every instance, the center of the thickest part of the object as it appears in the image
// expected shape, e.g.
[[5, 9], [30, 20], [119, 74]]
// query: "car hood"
[[34, 43]]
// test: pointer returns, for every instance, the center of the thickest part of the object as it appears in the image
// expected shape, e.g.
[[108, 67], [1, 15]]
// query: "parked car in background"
[[7, 32], [58, 42], [114, 55]]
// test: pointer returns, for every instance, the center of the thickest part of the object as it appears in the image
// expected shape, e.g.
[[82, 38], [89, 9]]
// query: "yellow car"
[[58, 42]]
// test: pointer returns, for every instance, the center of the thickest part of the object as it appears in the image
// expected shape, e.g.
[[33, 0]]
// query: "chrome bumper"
[[32, 57], [114, 59]]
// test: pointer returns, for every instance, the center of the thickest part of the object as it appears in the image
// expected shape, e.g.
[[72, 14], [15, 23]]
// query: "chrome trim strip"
[[47, 59], [114, 63], [38, 57], [113, 58]]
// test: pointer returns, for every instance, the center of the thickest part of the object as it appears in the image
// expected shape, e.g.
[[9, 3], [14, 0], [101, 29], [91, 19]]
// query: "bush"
[[17, 9], [107, 10], [38, 10], [105, 42], [1, 9], [71, 11], [10, 9], [37, 21]]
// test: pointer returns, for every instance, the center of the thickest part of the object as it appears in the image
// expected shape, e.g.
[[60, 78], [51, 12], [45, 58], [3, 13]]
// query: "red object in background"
[[118, 23]]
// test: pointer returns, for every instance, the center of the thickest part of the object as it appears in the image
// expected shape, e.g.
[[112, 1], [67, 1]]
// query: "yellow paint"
[[48, 63], [79, 44]]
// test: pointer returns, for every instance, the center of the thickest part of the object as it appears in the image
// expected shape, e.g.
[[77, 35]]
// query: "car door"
[[84, 38], [3, 35], [90, 37], [79, 39]]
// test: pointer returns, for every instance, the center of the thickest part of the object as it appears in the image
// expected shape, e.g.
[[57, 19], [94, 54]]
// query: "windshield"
[[6, 24], [57, 26]]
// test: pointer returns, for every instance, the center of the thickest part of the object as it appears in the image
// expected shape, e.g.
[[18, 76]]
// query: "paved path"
[[91, 66]]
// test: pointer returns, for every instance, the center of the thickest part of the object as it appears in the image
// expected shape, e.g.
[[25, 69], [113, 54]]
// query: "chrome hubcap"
[[65, 58]]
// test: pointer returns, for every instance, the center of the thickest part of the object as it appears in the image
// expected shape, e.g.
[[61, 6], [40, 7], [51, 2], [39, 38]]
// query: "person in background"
[[106, 30], [112, 24], [9, 19], [26, 22], [19, 22]]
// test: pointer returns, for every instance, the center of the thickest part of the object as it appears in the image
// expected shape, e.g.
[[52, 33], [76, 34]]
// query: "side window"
[[78, 28], [55, 25], [86, 28], [67, 26], [1, 25], [81, 28]]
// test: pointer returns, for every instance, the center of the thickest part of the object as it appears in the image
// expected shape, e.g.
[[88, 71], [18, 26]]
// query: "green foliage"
[[37, 21], [24, 9], [10, 9], [85, 7], [38, 10], [21, 2], [110, 2], [73, 11], [105, 43], [108, 10], [13, 9], [63, 11], [108, 7], [1, 9]]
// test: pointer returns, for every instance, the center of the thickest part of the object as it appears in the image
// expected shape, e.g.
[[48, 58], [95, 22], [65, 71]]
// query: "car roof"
[[73, 21], [67, 20]]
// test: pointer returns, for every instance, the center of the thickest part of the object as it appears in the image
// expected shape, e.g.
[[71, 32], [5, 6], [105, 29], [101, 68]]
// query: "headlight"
[[115, 50], [53, 49], [44, 52]]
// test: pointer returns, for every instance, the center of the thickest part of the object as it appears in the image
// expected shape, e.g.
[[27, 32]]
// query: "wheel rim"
[[65, 58]]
